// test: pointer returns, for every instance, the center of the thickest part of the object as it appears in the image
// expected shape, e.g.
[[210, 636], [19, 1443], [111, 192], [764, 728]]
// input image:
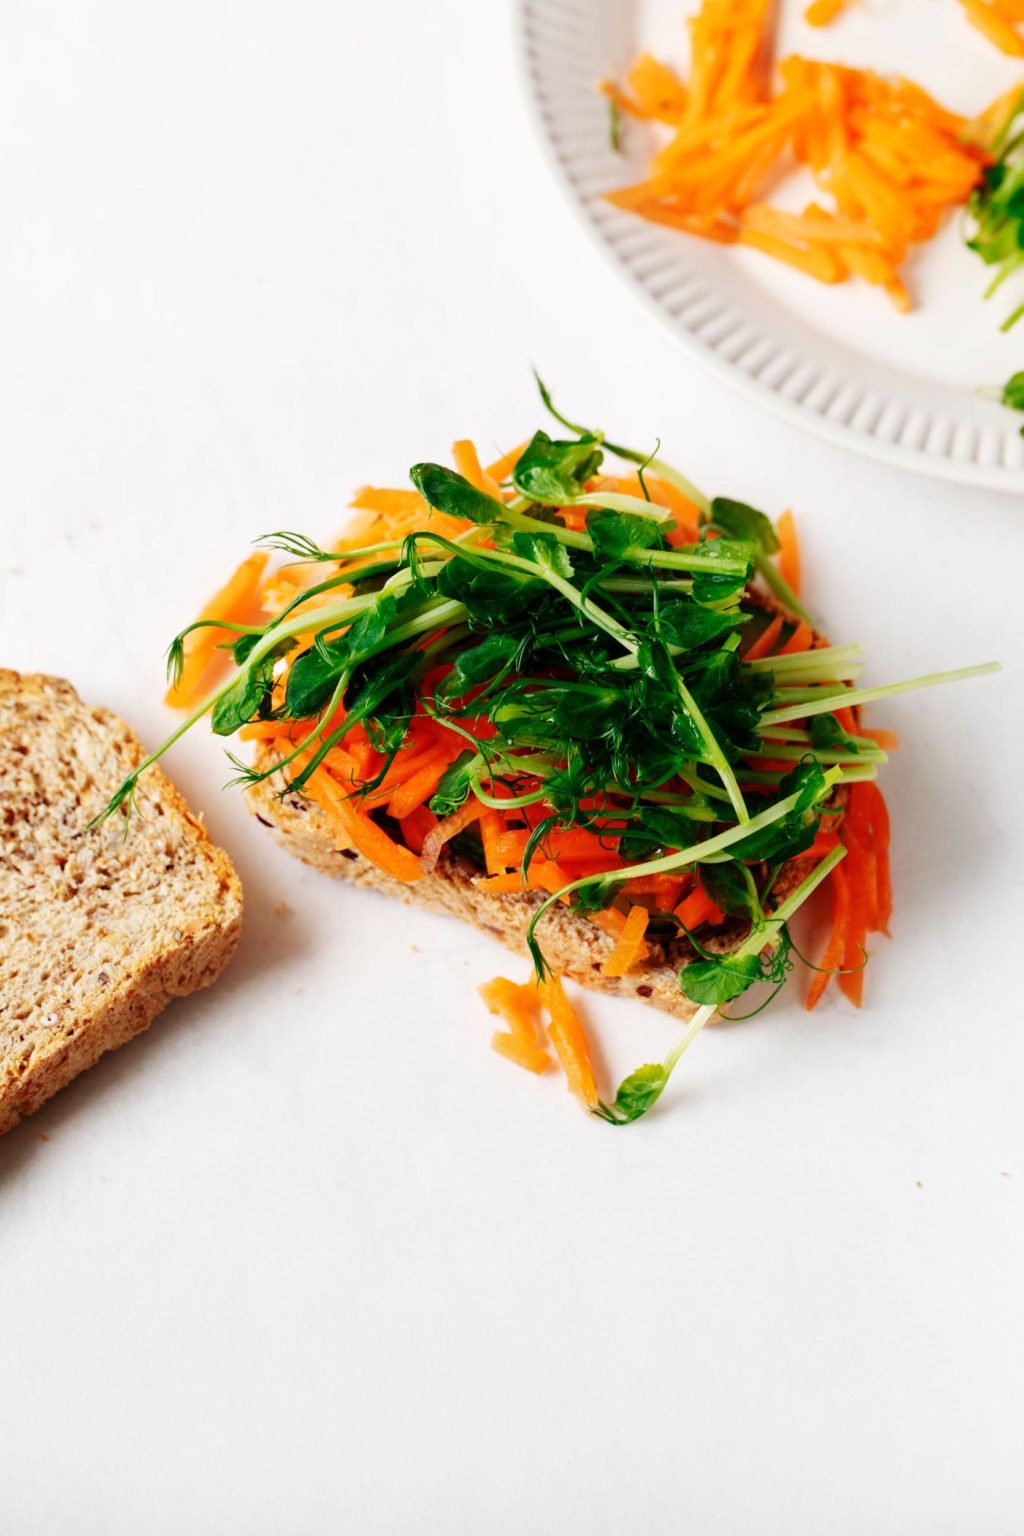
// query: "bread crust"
[[97, 932]]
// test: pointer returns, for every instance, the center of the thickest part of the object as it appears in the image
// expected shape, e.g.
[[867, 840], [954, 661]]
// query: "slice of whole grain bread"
[[97, 931]]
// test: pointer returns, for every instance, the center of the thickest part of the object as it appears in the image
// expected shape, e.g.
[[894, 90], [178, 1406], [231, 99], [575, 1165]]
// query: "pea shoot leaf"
[[454, 785], [739, 521], [637, 1093], [826, 732], [553, 471], [689, 626], [447, 491], [615, 532], [545, 551], [720, 979], [479, 663]]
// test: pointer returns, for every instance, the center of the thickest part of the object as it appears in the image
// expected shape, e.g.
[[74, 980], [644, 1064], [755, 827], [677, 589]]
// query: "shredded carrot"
[[997, 23], [698, 908], [789, 551], [570, 1042], [887, 740], [765, 642], [445, 831], [237, 603], [519, 1007], [354, 829], [491, 825], [416, 826], [891, 160], [502, 468], [835, 949], [801, 639], [467, 463], [627, 948], [820, 13], [419, 787]]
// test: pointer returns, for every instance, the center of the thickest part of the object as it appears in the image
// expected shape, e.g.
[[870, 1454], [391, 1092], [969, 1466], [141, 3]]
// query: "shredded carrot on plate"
[[890, 160], [570, 1042]]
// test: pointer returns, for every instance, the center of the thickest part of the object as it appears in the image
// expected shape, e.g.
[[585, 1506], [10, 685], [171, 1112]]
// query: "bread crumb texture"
[[97, 930]]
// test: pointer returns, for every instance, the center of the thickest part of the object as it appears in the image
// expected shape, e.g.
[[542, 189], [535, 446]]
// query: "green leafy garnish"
[[995, 209]]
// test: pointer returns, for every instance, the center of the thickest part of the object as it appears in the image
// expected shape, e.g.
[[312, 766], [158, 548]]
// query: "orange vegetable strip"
[[698, 908], [236, 602], [467, 463], [519, 1007], [995, 27], [416, 825], [851, 984], [762, 646], [372, 498], [353, 829], [835, 949], [887, 740], [821, 12], [445, 830], [625, 954], [664, 888], [801, 639], [491, 827], [789, 551], [532, 1057], [418, 788], [263, 730], [410, 761], [877, 813], [566, 1033], [502, 468], [815, 261]]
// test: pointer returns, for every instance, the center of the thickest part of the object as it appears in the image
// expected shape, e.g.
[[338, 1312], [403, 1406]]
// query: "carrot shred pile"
[[890, 159]]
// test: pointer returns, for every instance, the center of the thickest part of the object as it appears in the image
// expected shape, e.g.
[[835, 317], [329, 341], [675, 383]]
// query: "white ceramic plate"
[[838, 360]]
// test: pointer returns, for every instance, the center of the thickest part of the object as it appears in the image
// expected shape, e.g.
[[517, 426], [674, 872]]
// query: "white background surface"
[[310, 1257]]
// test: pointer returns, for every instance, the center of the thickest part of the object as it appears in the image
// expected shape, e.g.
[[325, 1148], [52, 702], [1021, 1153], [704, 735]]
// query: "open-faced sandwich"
[[583, 710]]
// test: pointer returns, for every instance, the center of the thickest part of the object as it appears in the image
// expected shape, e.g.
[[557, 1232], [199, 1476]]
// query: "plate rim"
[[913, 460]]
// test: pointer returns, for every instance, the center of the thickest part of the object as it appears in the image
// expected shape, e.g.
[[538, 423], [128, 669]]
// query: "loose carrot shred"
[[789, 551], [566, 1033], [237, 603], [521, 1052], [627, 948], [519, 1007]]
